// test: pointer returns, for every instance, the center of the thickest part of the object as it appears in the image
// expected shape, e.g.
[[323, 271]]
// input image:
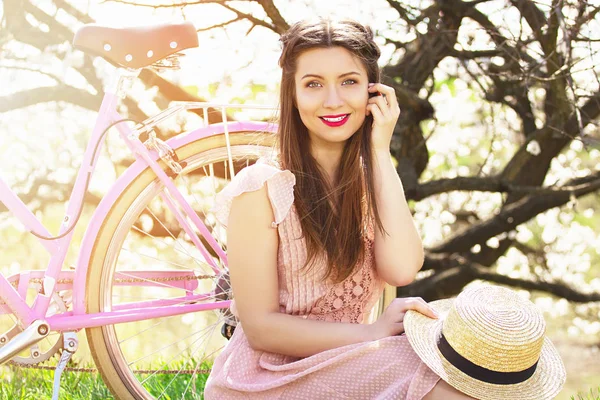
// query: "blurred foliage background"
[[497, 145]]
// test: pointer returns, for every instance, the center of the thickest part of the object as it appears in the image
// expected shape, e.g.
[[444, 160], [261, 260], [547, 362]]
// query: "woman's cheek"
[[359, 99], [361, 118], [306, 102]]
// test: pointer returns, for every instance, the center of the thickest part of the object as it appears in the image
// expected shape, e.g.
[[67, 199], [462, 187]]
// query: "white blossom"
[[533, 147]]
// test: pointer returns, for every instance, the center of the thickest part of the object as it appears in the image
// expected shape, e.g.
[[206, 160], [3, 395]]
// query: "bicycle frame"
[[77, 319]]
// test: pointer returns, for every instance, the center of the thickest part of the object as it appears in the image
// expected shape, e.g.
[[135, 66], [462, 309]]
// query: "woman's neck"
[[329, 161]]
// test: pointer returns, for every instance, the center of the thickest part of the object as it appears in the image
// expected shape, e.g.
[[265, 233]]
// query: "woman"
[[303, 289]]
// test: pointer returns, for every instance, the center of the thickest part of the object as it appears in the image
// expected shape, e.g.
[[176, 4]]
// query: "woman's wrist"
[[371, 332], [383, 158], [381, 152]]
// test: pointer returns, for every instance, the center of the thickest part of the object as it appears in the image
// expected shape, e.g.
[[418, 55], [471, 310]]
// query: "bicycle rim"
[[163, 357]]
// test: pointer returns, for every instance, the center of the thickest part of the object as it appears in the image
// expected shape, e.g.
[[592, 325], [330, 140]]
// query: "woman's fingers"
[[420, 305], [392, 319], [383, 115], [387, 91], [375, 110], [399, 328], [380, 101]]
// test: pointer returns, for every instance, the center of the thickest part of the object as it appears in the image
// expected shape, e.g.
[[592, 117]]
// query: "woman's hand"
[[391, 322], [385, 111]]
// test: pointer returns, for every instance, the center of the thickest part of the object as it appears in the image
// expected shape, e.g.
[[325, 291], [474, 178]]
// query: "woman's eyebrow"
[[320, 77]]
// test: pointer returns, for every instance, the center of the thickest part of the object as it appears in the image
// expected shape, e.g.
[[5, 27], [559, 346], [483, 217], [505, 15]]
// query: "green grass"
[[32, 384], [592, 395], [35, 384]]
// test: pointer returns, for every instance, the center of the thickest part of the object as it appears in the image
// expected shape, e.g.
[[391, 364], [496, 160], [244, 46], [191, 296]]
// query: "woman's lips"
[[335, 120]]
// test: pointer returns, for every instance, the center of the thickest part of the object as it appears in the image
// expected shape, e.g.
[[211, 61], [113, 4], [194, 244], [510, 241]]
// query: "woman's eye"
[[317, 84]]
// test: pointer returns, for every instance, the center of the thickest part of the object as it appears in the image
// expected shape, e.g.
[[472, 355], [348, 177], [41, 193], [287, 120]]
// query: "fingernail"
[[371, 84]]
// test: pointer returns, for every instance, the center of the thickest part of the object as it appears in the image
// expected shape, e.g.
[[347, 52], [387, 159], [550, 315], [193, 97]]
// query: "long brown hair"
[[331, 225]]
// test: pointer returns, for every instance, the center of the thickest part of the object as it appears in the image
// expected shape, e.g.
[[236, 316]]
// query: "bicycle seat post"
[[122, 80]]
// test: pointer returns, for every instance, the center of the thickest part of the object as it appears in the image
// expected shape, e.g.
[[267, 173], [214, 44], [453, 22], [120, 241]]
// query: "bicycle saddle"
[[135, 47]]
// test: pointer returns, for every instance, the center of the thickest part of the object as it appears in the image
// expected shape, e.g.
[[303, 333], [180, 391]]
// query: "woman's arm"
[[252, 246], [399, 256], [286, 334]]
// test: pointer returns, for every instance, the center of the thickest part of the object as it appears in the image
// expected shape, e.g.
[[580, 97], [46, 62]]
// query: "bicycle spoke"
[[196, 369], [166, 244], [167, 346], [186, 363], [170, 234], [173, 357], [139, 333], [168, 262], [191, 357], [158, 259], [132, 363]]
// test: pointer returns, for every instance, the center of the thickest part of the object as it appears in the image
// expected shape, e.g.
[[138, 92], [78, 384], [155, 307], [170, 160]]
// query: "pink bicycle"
[[150, 286]]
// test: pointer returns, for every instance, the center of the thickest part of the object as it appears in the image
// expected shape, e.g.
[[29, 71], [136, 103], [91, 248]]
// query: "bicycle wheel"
[[168, 357]]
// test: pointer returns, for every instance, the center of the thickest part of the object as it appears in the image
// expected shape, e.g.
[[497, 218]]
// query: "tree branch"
[[249, 17], [60, 193], [559, 289], [515, 96], [552, 144], [59, 30], [173, 92], [441, 284], [536, 20], [404, 14], [169, 5], [583, 20], [273, 13], [80, 16], [23, 68], [22, 30], [470, 55], [47, 94], [473, 3], [501, 41], [515, 84], [514, 214], [488, 184], [221, 25]]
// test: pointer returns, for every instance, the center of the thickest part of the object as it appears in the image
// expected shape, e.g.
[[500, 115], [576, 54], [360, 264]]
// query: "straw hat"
[[488, 343]]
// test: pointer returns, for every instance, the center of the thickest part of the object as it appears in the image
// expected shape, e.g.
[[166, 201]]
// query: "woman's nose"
[[333, 99]]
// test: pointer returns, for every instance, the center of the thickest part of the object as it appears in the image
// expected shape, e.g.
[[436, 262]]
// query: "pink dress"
[[383, 369]]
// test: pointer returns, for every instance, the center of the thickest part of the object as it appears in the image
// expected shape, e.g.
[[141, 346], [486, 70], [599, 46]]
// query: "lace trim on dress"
[[348, 300]]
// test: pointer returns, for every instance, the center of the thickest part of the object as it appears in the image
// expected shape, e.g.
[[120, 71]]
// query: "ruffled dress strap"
[[280, 189]]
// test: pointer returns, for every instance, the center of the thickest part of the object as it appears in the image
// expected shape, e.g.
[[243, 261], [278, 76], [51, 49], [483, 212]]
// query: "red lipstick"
[[335, 120]]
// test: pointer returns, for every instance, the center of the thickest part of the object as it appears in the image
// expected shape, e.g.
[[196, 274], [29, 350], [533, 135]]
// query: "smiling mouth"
[[335, 120]]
